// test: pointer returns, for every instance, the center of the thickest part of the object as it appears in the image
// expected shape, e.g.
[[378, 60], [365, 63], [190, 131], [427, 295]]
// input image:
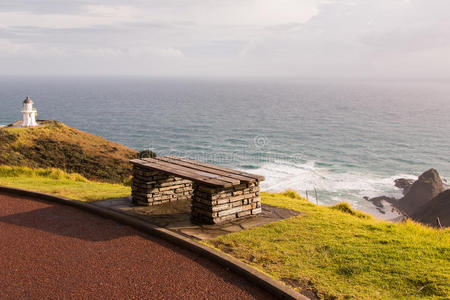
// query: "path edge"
[[258, 278]]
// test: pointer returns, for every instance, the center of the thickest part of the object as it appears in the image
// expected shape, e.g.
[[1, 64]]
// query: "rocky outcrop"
[[428, 186], [438, 207], [404, 184]]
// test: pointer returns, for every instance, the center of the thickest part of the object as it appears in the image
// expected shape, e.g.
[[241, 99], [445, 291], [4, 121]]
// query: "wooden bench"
[[218, 194]]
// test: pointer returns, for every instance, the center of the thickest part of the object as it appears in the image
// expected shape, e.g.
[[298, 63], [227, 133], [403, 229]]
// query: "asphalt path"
[[50, 251]]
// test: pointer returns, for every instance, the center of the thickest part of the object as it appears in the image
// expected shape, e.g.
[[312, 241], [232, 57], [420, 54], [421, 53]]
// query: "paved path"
[[54, 251], [176, 216]]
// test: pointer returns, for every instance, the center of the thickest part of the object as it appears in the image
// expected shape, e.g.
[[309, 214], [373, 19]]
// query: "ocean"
[[346, 139]]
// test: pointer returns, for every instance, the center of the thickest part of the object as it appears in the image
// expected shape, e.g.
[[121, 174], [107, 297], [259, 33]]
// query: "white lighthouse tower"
[[29, 113]]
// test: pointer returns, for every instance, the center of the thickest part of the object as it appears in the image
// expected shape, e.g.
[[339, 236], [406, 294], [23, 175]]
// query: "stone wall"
[[220, 205], [209, 205], [152, 187]]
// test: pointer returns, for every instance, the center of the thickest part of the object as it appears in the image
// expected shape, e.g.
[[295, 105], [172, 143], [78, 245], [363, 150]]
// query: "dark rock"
[[404, 184], [428, 186], [378, 202], [439, 206]]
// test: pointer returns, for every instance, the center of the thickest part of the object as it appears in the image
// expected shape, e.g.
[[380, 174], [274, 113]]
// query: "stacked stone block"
[[218, 205], [152, 187]]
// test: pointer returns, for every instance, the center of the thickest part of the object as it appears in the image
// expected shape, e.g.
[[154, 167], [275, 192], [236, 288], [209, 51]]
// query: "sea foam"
[[332, 185]]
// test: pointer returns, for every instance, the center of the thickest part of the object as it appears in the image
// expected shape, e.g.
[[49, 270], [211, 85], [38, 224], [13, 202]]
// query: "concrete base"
[[18, 124], [176, 216]]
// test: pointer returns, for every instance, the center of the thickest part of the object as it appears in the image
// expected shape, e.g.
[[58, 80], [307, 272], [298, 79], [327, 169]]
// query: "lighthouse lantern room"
[[29, 113]]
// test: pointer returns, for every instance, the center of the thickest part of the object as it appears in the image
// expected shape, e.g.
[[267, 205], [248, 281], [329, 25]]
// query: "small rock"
[[404, 184], [378, 202]]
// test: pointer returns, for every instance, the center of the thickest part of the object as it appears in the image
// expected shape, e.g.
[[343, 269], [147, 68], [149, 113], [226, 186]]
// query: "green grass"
[[59, 183], [337, 252]]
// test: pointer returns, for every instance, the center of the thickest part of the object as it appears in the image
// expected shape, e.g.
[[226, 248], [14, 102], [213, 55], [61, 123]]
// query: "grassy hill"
[[55, 145]]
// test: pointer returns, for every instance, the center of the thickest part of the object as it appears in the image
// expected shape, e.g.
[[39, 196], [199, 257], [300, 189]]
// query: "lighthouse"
[[29, 113]]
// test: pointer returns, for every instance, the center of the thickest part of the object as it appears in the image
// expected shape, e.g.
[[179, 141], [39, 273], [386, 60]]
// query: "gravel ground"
[[53, 251]]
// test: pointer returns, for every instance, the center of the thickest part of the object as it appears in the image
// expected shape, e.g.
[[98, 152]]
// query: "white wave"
[[332, 186]]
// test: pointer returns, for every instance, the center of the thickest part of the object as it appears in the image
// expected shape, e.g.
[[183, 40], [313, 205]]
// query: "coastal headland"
[[323, 252]]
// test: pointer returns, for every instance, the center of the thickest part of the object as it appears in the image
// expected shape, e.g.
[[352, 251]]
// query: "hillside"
[[56, 145]]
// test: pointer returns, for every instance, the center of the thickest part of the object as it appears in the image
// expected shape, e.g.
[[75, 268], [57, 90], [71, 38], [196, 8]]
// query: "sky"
[[230, 38]]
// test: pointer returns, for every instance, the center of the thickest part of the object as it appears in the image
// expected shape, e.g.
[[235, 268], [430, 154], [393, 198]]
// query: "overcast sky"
[[296, 38]]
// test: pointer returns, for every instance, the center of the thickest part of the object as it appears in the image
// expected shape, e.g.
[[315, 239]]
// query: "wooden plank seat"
[[218, 194]]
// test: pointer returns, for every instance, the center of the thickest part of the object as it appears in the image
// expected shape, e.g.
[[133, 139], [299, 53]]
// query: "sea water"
[[346, 139]]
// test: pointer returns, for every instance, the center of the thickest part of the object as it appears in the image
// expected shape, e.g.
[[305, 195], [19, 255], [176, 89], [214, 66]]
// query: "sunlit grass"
[[60, 183], [342, 253]]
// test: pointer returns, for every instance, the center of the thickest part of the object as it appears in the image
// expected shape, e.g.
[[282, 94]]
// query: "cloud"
[[94, 16], [206, 13], [9, 48], [361, 39], [312, 38]]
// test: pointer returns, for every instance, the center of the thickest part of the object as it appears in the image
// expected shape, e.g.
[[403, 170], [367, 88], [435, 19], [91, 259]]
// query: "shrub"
[[128, 181], [292, 194], [346, 208], [146, 154]]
